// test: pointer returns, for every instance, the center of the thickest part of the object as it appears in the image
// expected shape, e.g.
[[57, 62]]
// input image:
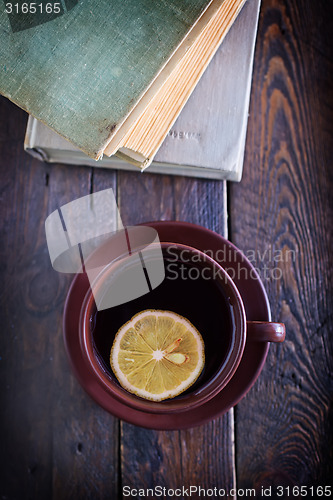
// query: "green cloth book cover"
[[81, 67]]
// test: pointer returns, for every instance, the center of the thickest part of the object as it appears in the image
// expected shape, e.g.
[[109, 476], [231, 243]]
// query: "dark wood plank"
[[203, 455], [283, 204], [85, 437], [55, 441]]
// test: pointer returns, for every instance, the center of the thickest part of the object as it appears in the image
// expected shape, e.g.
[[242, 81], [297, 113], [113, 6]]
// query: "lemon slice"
[[157, 355]]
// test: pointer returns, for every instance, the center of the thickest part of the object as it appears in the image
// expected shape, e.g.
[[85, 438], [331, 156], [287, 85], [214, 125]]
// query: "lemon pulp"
[[157, 355]]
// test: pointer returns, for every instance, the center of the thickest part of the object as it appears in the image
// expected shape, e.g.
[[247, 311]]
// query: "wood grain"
[[284, 425], [202, 456], [85, 437], [55, 441]]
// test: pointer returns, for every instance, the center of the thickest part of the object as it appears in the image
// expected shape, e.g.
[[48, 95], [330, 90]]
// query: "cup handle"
[[265, 331]]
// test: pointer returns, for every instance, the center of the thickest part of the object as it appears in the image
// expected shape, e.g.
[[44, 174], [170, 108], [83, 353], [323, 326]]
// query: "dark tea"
[[189, 289]]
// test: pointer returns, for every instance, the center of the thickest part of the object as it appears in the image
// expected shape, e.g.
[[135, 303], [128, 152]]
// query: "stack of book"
[[112, 78]]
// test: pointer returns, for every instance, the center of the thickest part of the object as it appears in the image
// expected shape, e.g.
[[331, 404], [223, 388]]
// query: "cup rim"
[[182, 402]]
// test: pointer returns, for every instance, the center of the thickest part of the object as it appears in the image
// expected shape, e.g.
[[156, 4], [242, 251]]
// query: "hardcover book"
[[95, 72], [208, 138]]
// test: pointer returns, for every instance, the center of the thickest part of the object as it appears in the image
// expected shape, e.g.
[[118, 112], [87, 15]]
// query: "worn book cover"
[[85, 70]]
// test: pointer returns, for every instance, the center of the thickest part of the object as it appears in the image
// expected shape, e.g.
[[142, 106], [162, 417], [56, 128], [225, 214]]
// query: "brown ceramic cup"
[[198, 288]]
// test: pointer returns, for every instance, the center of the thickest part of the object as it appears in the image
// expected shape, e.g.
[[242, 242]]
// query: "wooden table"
[[56, 443]]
